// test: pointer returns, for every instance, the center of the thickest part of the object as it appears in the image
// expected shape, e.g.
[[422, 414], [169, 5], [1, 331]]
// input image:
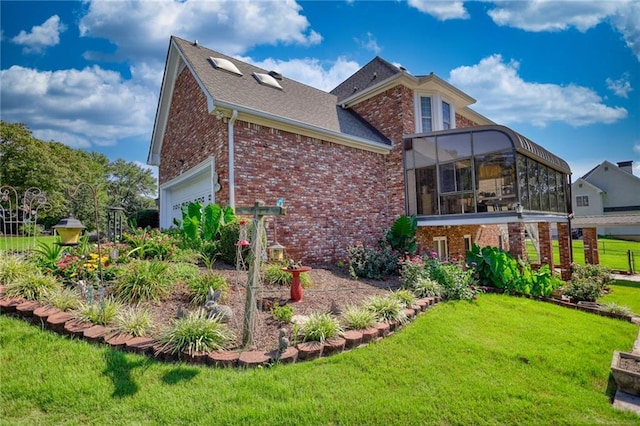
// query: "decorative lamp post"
[[276, 252], [69, 230]]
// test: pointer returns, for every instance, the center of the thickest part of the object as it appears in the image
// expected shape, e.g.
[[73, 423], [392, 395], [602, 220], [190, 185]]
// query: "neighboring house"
[[382, 144], [608, 197]]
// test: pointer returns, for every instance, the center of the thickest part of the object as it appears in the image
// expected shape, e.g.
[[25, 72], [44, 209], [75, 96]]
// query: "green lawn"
[[501, 360], [612, 253], [625, 293], [10, 244]]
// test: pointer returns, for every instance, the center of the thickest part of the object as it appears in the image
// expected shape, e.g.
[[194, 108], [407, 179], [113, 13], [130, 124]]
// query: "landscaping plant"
[[366, 262], [143, 280], [199, 287], [319, 327], [63, 298], [196, 333], [405, 296], [357, 317], [402, 235], [31, 286], [12, 267], [282, 313], [276, 276], [103, 312], [134, 320], [386, 308]]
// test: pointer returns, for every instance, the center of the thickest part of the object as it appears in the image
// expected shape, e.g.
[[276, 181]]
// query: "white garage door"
[[196, 185]]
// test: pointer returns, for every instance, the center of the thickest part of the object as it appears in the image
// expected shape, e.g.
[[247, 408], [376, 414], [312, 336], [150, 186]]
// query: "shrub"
[[275, 276], [426, 287], [196, 333], [32, 286], [282, 313], [62, 298], [229, 235], [142, 280], [148, 218], [412, 270], [366, 262], [583, 289], [386, 308], [13, 267], [597, 273], [456, 283], [319, 327], [103, 312], [199, 287], [134, 321], [358, 317]]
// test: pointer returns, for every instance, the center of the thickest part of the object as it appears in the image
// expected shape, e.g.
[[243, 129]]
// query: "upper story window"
[[582, 201], [434, 113]]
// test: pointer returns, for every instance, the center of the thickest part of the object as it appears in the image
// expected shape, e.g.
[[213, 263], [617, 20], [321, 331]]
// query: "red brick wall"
[[464, 122], [590, 240], [193, 135], [332, 193], [482, 235], [391, 112]]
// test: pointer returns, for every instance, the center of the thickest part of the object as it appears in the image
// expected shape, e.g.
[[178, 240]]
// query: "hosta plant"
[[357, 317], [196, 333], [319, 327]]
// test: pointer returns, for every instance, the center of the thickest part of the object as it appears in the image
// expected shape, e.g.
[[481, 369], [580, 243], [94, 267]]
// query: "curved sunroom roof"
[[522, 144]]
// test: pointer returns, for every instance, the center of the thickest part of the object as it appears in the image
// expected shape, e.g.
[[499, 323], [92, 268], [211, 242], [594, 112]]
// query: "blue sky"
[[566, 74]]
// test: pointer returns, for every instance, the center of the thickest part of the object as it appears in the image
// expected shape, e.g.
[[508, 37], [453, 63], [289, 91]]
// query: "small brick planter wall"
[[65, 324]]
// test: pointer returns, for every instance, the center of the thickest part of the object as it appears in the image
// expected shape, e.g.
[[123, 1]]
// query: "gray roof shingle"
[[295, 102]]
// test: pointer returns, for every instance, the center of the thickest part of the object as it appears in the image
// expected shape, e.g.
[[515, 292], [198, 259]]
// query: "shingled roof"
[[295, 102]]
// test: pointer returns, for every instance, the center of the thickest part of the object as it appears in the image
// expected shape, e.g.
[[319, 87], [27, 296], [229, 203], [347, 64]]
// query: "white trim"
[[436, 111], [466, 237], [437, 246]]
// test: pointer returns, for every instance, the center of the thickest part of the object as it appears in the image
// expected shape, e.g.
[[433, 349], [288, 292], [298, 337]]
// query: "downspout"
[[232, 188]]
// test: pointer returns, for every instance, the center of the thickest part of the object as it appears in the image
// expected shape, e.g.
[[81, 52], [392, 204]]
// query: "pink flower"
[[243, 243]]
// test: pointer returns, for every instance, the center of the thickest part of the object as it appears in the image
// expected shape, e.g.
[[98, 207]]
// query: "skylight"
[[225, 64], [267, 80]]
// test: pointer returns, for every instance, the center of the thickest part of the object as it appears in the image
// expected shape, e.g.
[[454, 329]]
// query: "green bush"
[[402, 235], [229, 235], [32, 286], [274, 275], [357, 317], [103, 312], [282, 313], [319, 327], [370, 263], [456, 283], [199, 287], [143, 280], [583, 289], [597, 273], [412, 270], [148, 218], [614, 308], [134, 321], [196, 333], [386, 308]]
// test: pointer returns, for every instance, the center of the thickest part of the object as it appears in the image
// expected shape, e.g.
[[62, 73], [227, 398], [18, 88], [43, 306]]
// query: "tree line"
[[62, 173]]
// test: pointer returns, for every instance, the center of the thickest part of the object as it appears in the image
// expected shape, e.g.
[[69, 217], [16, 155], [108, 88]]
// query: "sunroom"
[[489, 175]]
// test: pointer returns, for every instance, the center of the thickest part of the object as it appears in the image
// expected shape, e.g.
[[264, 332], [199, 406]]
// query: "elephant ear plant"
[[402, 235]]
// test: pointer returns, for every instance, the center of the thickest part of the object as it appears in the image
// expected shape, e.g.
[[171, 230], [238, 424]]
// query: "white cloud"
[[441, 10], [82, 108], [546, 15], [636, 147], [45, 35], [620, 87], [310, 71], [370, 43], [141, 29], [506, 98]]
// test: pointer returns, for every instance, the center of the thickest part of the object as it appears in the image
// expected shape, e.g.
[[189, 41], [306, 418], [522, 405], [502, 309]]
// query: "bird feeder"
[[69, 230], [276, 252]]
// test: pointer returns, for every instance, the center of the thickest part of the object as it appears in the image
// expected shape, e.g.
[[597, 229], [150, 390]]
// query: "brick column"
[[516, 240], [546, 244], [590, 240], [564, 237]]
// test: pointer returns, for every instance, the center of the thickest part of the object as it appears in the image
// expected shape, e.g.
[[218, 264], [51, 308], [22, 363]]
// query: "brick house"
[[349, 162]]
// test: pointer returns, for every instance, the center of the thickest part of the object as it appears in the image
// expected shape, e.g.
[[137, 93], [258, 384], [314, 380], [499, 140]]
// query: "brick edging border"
[[66, 324]]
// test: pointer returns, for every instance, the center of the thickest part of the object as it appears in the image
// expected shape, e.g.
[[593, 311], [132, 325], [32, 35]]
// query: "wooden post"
[[259, 211]]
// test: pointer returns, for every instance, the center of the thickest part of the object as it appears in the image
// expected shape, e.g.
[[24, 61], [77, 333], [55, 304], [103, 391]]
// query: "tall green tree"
[[130, 186]]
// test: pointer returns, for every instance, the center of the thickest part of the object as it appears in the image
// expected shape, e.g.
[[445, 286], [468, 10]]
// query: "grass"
[[611, 252], [20, 244], [501, 360], [625, 293]]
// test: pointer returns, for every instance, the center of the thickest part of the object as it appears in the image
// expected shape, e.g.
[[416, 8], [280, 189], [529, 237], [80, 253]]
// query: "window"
[[467, 242], [446, 116], [582, 201], [440, 247], [425, 108], [433, 113]]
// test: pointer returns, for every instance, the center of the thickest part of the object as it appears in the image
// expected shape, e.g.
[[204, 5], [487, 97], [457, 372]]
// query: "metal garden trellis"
[[19, 217]]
